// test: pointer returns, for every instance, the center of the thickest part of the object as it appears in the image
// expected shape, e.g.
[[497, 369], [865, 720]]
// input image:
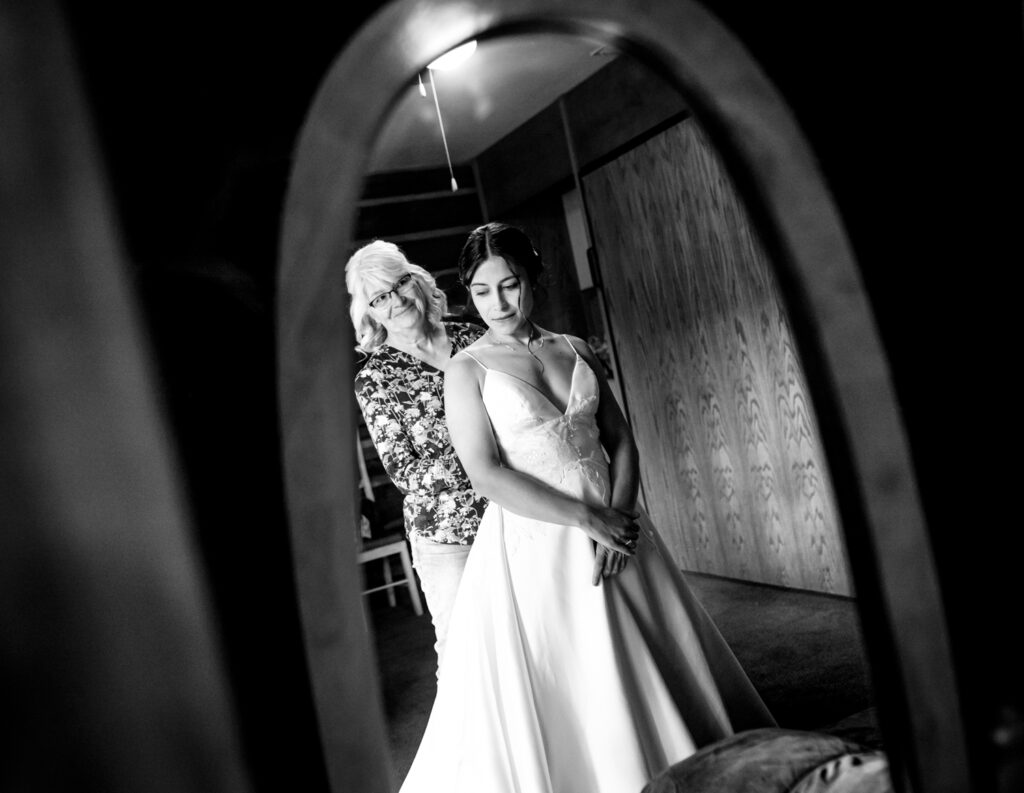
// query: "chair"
[[391, 543], [384, 548]]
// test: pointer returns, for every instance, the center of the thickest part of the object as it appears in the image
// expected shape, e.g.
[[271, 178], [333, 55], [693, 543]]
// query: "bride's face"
[[502, 295]]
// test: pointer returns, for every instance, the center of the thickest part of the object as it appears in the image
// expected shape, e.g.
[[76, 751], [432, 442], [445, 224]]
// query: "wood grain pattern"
[[732, 467]]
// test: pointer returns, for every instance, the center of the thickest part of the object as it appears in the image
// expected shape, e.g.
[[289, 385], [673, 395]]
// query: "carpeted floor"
[[802, 651]]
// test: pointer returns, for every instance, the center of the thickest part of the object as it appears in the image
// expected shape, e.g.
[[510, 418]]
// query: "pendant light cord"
[[444, 140]]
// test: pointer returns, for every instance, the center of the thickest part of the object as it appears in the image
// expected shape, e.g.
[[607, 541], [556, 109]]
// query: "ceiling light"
[[454, 57]]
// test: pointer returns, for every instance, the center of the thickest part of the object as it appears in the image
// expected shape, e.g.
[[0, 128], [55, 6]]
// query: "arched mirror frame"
[[777, 176]]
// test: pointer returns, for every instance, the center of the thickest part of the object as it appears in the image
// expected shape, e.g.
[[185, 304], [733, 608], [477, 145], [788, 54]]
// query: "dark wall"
[[914, 120]]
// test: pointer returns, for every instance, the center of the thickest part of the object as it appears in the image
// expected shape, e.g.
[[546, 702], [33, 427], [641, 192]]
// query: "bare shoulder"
[[478, 354], [577, 342], [587, 353], [479, 343], [580, 345], [462, 369]]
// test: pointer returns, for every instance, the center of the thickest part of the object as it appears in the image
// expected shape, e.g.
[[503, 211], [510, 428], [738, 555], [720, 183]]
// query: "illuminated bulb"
[[454, 57]]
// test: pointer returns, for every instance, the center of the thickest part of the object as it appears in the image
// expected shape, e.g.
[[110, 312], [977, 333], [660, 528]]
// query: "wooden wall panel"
[[732, 467], [620, 103]]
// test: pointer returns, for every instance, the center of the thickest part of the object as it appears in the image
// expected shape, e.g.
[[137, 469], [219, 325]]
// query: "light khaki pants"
[[439, 566]]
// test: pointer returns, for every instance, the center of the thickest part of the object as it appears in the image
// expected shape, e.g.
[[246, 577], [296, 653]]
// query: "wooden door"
[[732, 465]]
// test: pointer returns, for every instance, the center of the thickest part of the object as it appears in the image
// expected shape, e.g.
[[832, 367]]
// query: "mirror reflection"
[[650, 258]]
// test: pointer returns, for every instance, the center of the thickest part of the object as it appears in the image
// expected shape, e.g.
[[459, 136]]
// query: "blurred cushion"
[[773, 760]]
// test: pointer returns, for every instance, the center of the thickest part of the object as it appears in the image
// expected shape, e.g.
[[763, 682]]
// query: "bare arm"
[[473, 439], [624, 463], [616, 437]]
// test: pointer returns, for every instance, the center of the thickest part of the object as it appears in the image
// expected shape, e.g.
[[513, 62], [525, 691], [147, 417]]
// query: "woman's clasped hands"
[[615, 534]]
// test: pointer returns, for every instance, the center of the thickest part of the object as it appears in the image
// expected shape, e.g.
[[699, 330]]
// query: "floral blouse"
[[402, 399]]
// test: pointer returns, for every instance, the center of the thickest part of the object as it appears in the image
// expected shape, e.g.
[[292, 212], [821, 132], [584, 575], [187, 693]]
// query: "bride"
[[578, 659]]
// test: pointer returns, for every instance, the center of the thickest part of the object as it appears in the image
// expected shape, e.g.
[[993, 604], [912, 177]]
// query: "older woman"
[[397, 312]]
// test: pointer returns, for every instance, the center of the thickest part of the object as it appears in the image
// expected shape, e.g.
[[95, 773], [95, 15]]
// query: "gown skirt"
[[549, 683]]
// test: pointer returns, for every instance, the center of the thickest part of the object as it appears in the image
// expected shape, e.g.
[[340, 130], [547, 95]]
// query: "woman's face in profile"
[[502, 295]]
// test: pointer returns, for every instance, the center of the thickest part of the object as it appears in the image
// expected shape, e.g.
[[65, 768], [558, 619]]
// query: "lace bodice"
[[533, 436]]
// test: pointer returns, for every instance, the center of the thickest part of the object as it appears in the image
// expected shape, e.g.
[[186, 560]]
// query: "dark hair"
[[500, 240]]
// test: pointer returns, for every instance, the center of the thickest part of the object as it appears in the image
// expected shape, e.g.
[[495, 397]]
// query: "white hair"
[[373, 269]]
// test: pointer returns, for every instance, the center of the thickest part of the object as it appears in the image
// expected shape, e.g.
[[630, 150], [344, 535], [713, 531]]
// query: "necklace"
[[534, 335]]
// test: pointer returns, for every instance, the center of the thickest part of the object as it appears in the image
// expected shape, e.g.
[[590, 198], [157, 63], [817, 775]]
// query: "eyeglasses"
[[401, 285]]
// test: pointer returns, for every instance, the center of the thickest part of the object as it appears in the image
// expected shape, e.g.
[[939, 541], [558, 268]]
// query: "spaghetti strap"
[[571, 345], [467, 352]]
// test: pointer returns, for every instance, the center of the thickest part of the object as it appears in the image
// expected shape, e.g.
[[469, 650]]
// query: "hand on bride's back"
[[613, 529]]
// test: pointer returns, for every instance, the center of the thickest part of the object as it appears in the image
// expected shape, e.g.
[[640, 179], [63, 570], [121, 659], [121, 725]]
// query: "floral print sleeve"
[[403, 419], [402, 400]]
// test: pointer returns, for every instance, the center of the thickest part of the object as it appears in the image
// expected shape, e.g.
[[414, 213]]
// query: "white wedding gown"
[[551, 684]]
